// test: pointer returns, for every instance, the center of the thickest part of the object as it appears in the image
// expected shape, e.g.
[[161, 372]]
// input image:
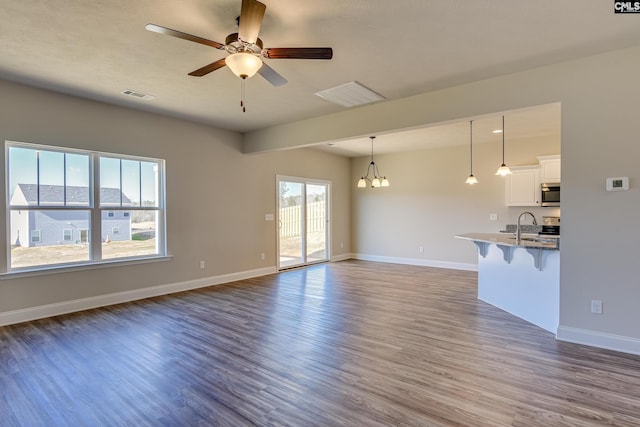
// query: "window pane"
[[150, 183], [77, 174], [130, 183], [29, 167], [129, 234], [23, 175], [39, 237], [51, 168], [51, 188], [109, 182]]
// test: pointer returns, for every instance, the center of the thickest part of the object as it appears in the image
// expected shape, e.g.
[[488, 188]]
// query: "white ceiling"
[[97, 49], [539, 122]]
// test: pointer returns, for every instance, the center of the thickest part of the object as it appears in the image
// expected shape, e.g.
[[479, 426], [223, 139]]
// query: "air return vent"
[[133, 93], [350, 94]]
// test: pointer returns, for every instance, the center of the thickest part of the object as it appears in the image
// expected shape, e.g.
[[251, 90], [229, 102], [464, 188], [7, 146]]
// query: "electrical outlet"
[[596, 306], [493, 217], [341, 245], [262, 256], [421, 249], [202, 265]]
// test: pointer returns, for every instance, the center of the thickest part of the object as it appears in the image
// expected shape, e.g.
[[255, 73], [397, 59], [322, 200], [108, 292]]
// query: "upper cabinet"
[[549, 168], [523, 186]]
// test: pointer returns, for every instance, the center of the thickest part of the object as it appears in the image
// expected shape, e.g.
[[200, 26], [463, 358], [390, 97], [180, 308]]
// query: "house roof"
[[55, 195]]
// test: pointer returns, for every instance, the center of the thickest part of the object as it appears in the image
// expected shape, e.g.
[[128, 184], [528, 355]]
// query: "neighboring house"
[[31, 228]]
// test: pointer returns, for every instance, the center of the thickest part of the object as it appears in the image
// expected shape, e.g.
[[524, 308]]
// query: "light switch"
[[493, 217], [268, 217]]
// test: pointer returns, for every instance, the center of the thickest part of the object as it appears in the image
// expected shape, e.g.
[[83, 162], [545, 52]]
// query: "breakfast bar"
[[521, 277]]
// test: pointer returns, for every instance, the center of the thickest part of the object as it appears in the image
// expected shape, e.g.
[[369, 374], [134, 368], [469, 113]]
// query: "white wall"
[[428, 202], [216, 196], [600, 99]]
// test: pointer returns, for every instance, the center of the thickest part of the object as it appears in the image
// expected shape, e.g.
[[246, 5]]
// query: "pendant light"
[[471, 179], [378, 180], [503, 170]]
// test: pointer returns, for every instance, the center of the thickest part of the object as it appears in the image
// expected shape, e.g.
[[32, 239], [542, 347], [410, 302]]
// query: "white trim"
[[56, 309], [342, 257], [417, 261], [599, 339], [46, 270]]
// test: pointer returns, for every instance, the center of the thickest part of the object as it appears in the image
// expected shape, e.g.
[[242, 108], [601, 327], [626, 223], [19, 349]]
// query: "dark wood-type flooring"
[[350, 343]]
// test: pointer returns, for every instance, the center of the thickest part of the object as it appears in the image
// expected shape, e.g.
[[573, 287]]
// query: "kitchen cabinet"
[[523, 186], [549, 168]]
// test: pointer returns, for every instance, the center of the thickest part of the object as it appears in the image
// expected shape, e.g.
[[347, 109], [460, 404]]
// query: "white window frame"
[[70, 234], [115, 230], [95, 210], [34, 239]]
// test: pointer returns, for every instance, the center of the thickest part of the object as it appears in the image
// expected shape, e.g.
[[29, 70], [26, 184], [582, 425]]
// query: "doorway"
[[303, 221]]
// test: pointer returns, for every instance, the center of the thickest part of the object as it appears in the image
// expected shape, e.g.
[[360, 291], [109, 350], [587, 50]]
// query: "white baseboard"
[[417, 261], [342, 257], [599, 339], [49, 310]]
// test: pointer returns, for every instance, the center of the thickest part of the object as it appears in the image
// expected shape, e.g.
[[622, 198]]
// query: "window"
[[117, 213]]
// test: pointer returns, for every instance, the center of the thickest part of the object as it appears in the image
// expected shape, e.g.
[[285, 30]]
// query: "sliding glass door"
[[303, 221]]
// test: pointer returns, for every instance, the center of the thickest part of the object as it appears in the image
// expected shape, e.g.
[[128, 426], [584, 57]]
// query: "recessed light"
[[331, 144]]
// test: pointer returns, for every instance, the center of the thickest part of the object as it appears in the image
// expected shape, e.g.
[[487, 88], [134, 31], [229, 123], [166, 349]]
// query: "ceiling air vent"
[[137, 94], [350, 94]]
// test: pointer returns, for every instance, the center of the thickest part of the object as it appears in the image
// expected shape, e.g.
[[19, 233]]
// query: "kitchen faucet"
[[518, 232]]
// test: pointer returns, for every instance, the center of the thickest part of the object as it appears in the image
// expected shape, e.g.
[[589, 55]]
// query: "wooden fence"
[[291, 216]]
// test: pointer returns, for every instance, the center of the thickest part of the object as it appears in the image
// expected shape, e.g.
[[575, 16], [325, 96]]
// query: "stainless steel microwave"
[[550, 195]]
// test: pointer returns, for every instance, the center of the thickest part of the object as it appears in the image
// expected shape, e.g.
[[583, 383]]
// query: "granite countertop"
[[527, 241]]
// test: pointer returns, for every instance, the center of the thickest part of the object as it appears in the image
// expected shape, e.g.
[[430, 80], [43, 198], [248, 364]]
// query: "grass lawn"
[[60, 254]]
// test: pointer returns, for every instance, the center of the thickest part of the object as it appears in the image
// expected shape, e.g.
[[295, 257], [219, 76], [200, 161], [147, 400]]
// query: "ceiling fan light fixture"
[[243, 64]]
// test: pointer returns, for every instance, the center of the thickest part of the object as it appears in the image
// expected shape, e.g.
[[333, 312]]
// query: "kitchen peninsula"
[[521, 277]]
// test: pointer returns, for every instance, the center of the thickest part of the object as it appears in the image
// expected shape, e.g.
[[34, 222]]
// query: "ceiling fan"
[[244, 48]]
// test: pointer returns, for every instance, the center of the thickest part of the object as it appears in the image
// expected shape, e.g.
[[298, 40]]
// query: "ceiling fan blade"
[[208, 68], [271, 75], [179, 34], [251, 16], [298, 53]]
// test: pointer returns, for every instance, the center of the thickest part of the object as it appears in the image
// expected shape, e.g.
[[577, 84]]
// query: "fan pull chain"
[[242, 92]]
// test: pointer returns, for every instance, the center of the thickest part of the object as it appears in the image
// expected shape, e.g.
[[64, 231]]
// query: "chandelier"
[[378, 180]]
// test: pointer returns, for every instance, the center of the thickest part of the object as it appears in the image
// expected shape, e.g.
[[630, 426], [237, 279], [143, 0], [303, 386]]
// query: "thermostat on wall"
[[618, 184]]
